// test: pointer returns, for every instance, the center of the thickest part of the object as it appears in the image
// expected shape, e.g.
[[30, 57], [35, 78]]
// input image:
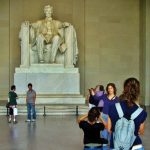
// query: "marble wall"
[[108, 37], [111, 41], [145, 50], [4, 49]]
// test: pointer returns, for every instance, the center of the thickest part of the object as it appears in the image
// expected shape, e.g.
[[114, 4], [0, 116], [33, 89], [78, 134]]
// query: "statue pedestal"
[[53, 84]]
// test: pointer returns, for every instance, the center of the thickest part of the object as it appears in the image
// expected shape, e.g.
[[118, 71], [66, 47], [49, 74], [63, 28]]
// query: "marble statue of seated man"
[[49, 39]]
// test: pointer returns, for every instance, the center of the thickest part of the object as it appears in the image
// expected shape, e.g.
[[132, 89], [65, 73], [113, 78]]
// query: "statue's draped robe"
[[67, 51]]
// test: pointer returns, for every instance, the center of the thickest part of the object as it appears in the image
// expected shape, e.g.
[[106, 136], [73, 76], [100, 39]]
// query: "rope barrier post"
[[44, 111], [77, 110], [7, 113]]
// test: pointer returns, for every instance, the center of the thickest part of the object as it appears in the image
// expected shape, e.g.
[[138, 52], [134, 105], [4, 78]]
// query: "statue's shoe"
[[41, 61]]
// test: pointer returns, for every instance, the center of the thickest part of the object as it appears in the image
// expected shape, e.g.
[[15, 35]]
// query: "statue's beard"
[[48, 15]]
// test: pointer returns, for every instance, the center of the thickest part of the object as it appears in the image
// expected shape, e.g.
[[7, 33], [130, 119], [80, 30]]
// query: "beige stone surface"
[[4, 48], [111, 41], [145, 50]]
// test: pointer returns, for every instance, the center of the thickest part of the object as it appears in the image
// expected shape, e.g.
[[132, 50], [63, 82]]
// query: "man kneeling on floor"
[[92, 124]]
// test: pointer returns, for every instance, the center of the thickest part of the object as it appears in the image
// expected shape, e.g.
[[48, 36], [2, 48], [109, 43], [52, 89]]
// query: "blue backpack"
[[123, 135]]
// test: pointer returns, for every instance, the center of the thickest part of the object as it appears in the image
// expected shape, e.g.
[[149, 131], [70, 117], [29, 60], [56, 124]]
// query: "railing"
[[44, 111]]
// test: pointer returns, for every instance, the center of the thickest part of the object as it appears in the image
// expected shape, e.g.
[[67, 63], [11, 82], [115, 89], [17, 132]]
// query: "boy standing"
[[30, 101], [12, 104]]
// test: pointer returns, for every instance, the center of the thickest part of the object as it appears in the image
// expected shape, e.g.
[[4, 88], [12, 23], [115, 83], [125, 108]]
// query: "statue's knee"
[[56, 37], [40, 37]]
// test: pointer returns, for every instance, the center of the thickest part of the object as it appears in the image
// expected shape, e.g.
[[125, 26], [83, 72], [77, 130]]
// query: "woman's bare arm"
[[102, 120], [141, 129]]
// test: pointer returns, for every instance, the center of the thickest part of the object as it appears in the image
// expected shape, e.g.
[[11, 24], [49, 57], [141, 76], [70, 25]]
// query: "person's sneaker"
[[33, 120], [15, 122], [28, 120], [9, 121]]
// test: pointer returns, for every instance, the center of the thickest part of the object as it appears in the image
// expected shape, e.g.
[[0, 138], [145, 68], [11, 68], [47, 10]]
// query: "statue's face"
[[48, 12]]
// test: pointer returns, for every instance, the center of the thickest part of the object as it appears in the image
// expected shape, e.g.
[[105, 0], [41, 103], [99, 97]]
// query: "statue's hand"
[[26, 23], [63, 48], [66, 24]]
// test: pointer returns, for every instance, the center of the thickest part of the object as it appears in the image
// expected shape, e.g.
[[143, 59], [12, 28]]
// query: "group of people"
[[113, 122], [30, 102]]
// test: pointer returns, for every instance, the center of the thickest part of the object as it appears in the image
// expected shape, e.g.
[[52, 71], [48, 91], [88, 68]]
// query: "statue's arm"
[[35, 25], [62, 24], [32, 35], [24, 29], [66, 24], [33, 31]]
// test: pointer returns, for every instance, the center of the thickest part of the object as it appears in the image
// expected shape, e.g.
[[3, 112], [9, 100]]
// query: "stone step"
[[51, 109]]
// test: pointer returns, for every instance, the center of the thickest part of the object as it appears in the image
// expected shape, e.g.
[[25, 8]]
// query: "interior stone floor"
[[49, 133]]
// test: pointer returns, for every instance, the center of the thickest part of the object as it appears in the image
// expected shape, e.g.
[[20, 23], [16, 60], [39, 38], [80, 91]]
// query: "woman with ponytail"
[[129, 102]]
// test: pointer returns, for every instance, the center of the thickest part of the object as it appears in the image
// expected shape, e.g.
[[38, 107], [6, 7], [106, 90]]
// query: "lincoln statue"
[[48, 41]]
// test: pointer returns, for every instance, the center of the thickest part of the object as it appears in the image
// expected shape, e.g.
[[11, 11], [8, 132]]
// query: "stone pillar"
[[69, 51], [147, 54], [72, 48], [145, 50], [25, 49]]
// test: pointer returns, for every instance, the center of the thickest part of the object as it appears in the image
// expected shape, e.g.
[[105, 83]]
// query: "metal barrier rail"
[[44, 111], [77, 111]]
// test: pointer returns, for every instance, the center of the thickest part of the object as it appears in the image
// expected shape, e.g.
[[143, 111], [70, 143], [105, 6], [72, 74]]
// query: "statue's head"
[[48, 10]]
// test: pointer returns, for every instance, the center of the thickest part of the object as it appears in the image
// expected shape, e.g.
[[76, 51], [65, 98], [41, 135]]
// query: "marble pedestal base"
[[55, 99], [53, 84]]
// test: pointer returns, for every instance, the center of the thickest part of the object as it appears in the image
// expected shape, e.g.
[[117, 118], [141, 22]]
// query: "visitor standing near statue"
[[12, 100], [30, 100]]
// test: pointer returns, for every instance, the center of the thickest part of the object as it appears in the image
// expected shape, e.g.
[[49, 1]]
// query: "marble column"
[[72, 48], [147, 54], [145, 51], [25, 48]]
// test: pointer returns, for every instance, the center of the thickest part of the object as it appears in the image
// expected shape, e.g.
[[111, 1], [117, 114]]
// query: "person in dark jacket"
[[12, 104]]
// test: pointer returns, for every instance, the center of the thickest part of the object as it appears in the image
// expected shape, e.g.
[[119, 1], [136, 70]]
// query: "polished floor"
[[49, 133]]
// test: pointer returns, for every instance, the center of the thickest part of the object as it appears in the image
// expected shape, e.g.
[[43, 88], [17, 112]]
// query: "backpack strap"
[[136, 113], [119, 110]]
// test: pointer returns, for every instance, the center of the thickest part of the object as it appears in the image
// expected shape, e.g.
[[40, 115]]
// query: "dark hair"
[[93, 114], [101, 87], [114, 87], [30, 84], [13, 87], [131, 91]]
